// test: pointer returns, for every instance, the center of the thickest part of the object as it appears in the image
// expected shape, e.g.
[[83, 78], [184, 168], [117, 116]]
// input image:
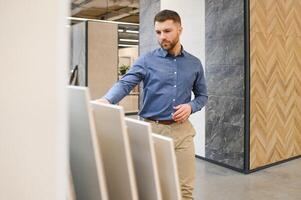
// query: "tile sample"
[[85, 155], [144, 159], [167, 167], [115, 147]]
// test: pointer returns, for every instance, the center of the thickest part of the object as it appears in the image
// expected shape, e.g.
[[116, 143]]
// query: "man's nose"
[[162, 36]]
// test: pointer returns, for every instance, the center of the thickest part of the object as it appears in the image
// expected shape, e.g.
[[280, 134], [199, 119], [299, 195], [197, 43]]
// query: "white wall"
[[33, 117], [192, 13]]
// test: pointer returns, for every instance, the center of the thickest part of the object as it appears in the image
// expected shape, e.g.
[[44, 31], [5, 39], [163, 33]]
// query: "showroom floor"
[[280, 182]]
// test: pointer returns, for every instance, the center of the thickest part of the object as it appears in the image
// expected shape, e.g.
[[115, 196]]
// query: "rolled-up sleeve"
[[124, 86], [200, 91]]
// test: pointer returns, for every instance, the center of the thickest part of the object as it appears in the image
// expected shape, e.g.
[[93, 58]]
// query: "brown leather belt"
[[165, 122]]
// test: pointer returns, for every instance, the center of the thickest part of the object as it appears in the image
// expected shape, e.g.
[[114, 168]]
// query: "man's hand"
[[102, 100], [182, 113]]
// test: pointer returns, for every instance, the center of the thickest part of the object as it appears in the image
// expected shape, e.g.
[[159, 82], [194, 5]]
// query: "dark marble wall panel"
[[225, 79]]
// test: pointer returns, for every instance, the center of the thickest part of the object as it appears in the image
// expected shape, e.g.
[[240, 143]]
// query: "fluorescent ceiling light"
[[127, 45], [128, 40], [131, 31], [120, 30]]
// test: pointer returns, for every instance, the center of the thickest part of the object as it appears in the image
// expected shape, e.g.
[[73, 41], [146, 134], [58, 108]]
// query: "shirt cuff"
[[193, 107], [110, 99]]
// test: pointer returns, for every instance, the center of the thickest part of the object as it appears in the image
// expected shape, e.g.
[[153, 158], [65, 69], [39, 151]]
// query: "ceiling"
[[110, 10]]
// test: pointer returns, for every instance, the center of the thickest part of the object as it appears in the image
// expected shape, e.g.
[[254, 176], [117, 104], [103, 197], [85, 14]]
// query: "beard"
[[168, 45]]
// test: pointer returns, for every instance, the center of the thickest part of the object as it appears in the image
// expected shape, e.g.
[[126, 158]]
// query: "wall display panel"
[[144, 159], [167, 166], [95, 50], [85, 156], [224, 44], [115, 147], [275, 65], [102, 57]]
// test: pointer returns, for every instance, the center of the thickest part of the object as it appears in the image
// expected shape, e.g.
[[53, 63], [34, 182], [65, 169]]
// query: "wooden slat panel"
[[275, 131]]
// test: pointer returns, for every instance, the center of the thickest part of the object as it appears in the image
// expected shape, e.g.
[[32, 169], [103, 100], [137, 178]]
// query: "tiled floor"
[[280, 182]]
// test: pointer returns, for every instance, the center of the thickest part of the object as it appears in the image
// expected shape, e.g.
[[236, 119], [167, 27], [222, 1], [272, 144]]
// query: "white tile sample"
[[115, 147], [85, 157], [167, 167], [144, 159]]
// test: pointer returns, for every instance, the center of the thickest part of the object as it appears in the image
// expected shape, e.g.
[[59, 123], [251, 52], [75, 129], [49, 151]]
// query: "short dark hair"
[[167, 15]]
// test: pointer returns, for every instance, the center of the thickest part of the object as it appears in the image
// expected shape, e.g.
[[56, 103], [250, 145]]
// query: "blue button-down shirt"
[[167, 82]]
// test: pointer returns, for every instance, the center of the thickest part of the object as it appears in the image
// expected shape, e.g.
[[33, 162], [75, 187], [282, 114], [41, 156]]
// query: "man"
[[169, 74]]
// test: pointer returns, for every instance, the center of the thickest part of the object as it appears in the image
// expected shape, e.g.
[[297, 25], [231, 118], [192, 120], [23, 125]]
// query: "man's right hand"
[[102, 100]]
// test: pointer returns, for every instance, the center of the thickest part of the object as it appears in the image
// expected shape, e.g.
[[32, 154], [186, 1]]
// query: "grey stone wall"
[[225, 79], [147, 37]]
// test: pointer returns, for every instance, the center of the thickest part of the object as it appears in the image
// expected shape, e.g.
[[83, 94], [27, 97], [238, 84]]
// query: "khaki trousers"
[[182, 135]]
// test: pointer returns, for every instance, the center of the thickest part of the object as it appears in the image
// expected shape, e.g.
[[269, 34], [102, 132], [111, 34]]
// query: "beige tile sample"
[[85, 157], [167, 167], [144, 159], [114, 143]]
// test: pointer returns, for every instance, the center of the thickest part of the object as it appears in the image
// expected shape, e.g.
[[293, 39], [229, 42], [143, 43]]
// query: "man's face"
[[168, 33]]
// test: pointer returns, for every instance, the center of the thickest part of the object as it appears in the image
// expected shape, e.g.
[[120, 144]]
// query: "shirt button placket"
[[175, 86]]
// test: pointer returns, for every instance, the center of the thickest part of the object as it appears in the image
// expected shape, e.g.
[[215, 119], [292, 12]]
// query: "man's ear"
[[180, 29]]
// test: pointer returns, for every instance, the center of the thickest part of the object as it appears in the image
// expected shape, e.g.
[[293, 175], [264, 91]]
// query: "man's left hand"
[[182, 113]]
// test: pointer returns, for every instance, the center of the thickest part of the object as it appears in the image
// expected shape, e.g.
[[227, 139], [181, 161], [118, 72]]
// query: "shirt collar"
[[163, 53]]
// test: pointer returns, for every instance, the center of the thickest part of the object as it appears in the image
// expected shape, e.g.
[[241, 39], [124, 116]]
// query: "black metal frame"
[[86, 59], [247, 86]]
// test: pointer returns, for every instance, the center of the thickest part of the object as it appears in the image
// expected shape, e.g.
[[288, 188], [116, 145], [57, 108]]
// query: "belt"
[[165, 122]]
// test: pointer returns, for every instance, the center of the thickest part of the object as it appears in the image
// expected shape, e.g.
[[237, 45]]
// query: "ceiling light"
[[131, 31], [127, 45], [128, 40]]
